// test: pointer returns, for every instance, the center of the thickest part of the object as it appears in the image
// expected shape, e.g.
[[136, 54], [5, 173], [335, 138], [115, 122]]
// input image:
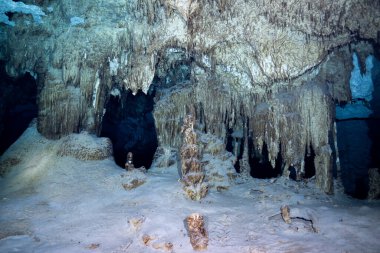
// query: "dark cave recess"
[[260, 166], [129, 121], [130, 125], [18, 106]]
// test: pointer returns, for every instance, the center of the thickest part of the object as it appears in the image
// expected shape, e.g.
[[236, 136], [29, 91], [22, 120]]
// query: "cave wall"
[[259, 66]]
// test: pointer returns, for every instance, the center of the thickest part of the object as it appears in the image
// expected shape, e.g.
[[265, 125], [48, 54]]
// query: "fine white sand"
[[54, 203]]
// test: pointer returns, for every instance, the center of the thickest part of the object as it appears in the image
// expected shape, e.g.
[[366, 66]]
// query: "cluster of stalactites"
[[287, 122]]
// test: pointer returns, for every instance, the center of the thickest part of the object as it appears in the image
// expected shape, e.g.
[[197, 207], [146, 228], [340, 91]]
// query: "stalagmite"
[[191, 168]]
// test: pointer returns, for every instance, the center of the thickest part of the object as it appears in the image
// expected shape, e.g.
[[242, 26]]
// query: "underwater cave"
[[18, 106], [130, 125], [253, 136]]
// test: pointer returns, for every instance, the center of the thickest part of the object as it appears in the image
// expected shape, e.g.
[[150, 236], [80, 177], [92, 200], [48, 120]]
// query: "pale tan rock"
[[134, 183], [93, 246], [164, 246], [133, 179], [135, 223], [147, 239], [295, 216], [285, 214]]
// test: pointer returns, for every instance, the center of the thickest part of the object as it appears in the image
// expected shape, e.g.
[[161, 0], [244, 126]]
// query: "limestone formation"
[[197, 231], [259, 65], [191, 169], [85, 146]]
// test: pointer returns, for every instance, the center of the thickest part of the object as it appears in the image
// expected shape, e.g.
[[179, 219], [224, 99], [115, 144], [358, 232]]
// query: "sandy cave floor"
[[50, 203]]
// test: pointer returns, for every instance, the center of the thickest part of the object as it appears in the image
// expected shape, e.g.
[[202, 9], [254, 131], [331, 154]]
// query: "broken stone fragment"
[[133, 184], [93, 246], [165, 246], [197, 231], [133, 179], [285, 214], [304, 215], [147, 239], [135, 223]]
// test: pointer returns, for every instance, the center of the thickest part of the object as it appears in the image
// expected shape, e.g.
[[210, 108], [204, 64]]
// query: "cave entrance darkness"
[[18, 106], [130, 125], [354, 156], [260, 164]]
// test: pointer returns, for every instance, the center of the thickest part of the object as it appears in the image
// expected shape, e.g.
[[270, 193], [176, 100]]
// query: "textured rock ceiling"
[[271, 68], [254, 43]]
